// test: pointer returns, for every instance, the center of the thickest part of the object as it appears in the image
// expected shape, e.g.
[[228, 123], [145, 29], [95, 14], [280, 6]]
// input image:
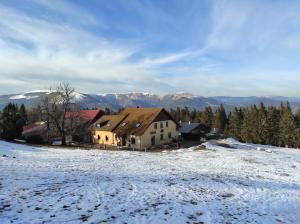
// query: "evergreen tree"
[[287, 126], [11, 122], [207, 118], [107, 111], [297, 118], [173, 113], [178, 113], [262, 130], [235, 121], [249, 131], [185, 114], [193, 115], [198, 116], [272, 128], [227, 129], [220, 119], [23, 112], [297, 138]]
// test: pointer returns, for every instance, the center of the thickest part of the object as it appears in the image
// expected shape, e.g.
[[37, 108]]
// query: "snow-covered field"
[[218, 185]]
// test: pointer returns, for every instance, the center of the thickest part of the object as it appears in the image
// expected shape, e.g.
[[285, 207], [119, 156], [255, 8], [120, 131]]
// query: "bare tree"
[[55, 106]]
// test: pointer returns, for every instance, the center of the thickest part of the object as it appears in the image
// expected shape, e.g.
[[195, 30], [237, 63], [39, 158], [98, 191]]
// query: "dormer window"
[[123, 124], [98, 125], [108, 124], [137, 125]]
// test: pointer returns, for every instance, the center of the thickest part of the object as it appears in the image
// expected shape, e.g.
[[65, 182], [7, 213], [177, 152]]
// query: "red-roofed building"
[[77, 124], [86, 116], [35, 132]]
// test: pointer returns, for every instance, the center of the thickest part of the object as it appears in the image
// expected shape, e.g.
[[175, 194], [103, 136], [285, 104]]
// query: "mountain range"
[[117, 101]]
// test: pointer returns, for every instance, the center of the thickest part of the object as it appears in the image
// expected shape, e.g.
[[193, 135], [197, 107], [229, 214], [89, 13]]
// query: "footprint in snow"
[[227, 195]]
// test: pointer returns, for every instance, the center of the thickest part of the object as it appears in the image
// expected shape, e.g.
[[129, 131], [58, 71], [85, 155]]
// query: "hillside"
[[238, 184]]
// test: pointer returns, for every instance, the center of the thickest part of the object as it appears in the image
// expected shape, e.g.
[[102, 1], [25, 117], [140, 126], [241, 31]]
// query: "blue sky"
[[236, 48]]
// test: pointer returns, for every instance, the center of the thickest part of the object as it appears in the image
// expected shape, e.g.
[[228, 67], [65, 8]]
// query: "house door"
[[123, 140], [152, 140]]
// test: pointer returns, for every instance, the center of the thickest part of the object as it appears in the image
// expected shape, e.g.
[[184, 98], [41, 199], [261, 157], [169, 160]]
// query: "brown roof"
[[108, 122], [139, 119]]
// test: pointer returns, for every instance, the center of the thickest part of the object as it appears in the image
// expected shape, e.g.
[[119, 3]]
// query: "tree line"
[[277, 126], [57, 109], [12, 120]]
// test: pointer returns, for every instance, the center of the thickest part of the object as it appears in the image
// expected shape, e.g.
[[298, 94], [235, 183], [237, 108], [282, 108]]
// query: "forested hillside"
[[271, 125]]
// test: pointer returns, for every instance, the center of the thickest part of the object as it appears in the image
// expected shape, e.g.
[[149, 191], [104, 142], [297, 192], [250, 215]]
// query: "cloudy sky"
[[235, 48]]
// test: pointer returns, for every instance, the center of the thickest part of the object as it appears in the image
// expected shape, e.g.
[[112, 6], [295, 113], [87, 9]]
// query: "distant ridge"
[[116, 101]]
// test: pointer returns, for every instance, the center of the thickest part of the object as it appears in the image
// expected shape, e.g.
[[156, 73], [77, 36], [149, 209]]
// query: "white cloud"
[[228, 20], [69, 11], [37, 50], [170, 58], [254, 25]]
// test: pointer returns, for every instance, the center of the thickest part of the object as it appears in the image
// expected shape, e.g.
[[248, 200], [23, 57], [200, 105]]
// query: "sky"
[[209, 48]]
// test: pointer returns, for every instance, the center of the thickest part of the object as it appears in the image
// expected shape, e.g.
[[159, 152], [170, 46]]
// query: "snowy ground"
[[219, 185]]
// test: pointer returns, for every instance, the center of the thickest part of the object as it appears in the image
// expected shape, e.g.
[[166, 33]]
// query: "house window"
[[155, 125], [161, 130], [99, 137], [167, 124], [98, 125], [153, 140], [170, 135], [123, 124], [137, 125], [162, 137], [161, 125], [106, 138]]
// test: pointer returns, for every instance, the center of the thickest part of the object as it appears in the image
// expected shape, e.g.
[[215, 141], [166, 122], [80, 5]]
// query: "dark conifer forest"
[[253, 124]]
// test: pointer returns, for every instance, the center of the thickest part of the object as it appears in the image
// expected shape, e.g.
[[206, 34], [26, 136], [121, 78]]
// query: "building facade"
[[138, 128]]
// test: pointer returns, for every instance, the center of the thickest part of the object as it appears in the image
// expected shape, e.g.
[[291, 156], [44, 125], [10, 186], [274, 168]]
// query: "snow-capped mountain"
[[116, 101]]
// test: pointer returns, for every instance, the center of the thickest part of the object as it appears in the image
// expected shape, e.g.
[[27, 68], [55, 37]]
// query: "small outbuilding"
[[35, 132], [192, 131]]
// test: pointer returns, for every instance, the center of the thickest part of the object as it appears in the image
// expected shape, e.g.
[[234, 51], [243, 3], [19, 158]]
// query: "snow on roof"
[[33, 127]]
